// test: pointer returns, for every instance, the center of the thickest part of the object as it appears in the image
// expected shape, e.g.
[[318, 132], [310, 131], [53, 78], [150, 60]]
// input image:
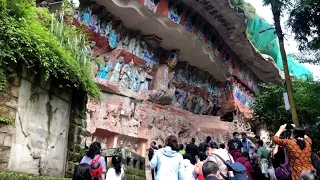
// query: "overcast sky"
[[290, 43]]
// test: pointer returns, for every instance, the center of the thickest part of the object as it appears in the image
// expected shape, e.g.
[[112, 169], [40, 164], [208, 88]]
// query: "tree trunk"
[[276, 17]]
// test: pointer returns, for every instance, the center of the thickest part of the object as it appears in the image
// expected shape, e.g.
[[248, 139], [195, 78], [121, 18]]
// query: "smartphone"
[[289, 127]]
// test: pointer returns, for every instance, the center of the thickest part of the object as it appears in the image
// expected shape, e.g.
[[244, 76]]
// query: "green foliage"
[[305, 23], [269, 107], [6, 120], [25, 38], [18, 176]]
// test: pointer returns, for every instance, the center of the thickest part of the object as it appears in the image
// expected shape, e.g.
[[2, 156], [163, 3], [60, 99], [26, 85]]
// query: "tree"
[[277, 6], [305, 24], [269, 107]]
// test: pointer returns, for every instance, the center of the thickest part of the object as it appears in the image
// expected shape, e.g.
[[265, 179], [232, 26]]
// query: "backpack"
[[283, 172], [238, 169], [96, 167]]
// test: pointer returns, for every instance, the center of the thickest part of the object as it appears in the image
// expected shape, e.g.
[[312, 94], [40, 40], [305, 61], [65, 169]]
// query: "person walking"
[[245, 160], [211, 171], [263, 158], [298, 150], [116, 172], [153, 148], [247, 144], [94, 159], [236, 142], [234, 153], [168, 161], [193, 150], [203, 145], [82, 172], [189, 169]]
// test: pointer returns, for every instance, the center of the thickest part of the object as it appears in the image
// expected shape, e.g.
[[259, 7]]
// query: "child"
[[116, 172]]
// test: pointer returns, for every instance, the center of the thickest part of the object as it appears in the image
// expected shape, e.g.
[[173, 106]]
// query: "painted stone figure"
[[218, 48], [232, 66], [104, 70], [152, 5], [199, 105], [134, 45], [175, 11], [114, 37], [117, 65], [212, 38], [173, 59], [150, 58], [86, 15], [194, 101], [203, 26], [135, 79], [191, 20], [225, 58], [126, 41], [209, 108], [125, 77], [94, 23]]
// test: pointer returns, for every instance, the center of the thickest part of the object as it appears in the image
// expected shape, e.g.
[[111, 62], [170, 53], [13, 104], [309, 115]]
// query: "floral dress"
[[299, 159]]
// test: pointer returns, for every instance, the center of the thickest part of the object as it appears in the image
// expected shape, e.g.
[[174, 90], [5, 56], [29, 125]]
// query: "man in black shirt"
[[153, 148], [236, 142], [192, 149]]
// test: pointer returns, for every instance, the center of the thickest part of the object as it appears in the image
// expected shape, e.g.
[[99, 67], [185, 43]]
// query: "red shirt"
[[200, 177], [245, 161]]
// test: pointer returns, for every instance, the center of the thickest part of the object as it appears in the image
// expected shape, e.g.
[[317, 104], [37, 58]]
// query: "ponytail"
[[117, 163], [301, 143], [299, 133]]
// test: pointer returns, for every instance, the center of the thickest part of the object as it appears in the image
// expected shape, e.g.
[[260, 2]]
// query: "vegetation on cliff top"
[[270, 109], [26, 38]]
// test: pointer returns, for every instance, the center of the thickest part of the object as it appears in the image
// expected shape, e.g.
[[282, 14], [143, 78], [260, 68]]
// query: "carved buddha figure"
[[190, 21], [86, 15], [151, 5], [125, 77], [175, 11], [203, 26], [114, 37], [126, 41], [115, 75], [199, 104], [104, 70], [218, 48], [173, 59], [225, 58], [211, 40]]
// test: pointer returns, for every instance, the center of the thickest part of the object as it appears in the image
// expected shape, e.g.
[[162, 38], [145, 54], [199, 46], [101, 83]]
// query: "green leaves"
[[269, 106], [25, 38], [19, 176]]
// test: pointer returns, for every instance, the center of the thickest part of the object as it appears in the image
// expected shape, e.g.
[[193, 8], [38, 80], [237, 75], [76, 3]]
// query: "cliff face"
[[231, 26]]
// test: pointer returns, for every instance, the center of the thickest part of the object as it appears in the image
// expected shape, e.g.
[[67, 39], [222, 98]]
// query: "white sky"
[[290, 43]]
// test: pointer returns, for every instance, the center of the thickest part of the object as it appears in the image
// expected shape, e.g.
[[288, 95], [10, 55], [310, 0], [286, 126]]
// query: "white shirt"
[[111, 174], [225, 156]]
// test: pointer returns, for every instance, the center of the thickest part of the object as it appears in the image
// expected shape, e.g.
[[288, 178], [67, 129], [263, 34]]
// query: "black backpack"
[[238, 169]]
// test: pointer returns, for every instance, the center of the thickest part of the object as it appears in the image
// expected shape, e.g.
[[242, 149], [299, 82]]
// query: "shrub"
[[19, 176]]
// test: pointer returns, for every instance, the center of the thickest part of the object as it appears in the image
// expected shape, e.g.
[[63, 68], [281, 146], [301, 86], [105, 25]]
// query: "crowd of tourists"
[[237, 159]]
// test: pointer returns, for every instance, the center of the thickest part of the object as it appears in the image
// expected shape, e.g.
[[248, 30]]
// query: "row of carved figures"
[[113, 30], [126, 76], [187, 99]]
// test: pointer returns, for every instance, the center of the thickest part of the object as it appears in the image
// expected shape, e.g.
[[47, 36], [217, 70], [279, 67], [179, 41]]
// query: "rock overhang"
[[231, 26]]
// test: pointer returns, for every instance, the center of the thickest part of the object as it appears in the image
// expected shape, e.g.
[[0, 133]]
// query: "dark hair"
[[245, 154], [213, 145], [208, 139], [257, 137], [82, 172], [260, 143], [244, 134], [181, 147], [298, 133], [209, 167], [202, 156], [95, 148], [160, 146], [232, 147], [235, 133], [193, 140], [172, 141], [154, 143], [222, 146], [187, 156], [116, 162]]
